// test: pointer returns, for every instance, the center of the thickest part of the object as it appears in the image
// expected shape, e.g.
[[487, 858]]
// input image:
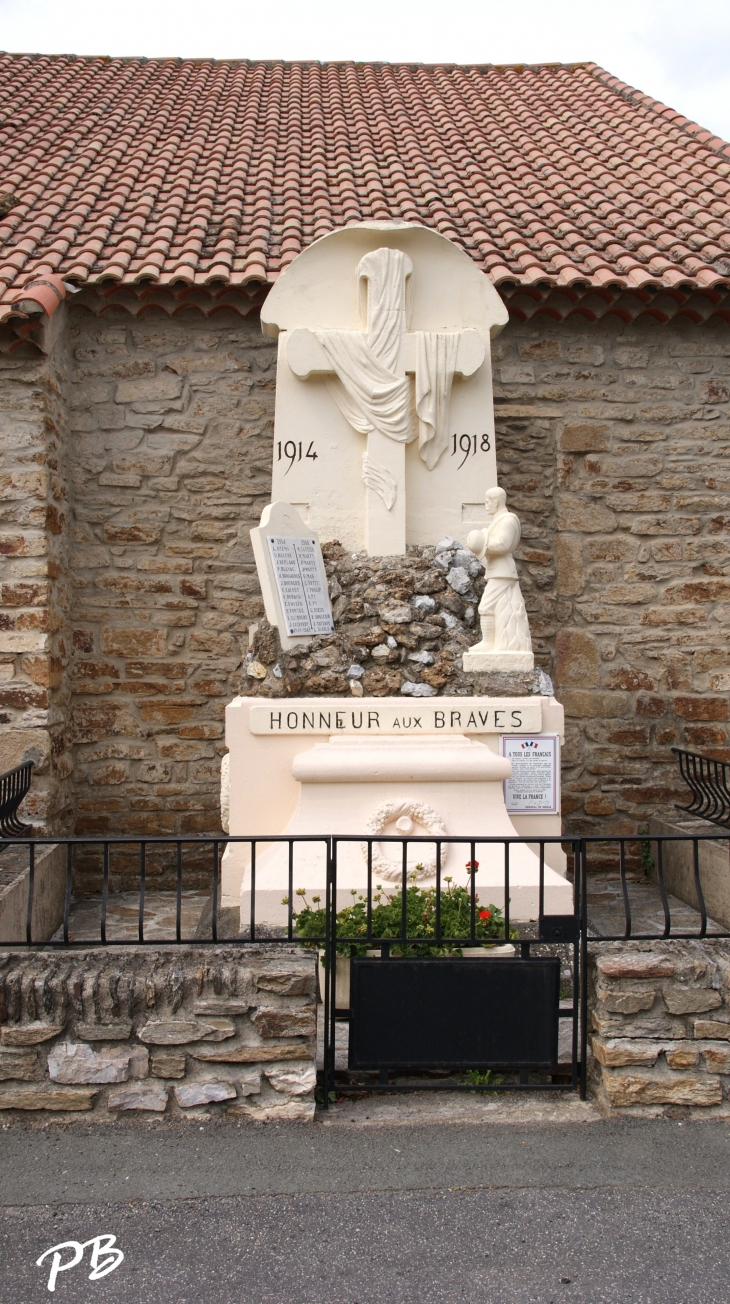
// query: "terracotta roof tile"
[[202, 172]]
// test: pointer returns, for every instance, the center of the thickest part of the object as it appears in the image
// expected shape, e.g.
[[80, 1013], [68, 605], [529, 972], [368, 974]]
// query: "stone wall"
[[34, 580], [171, 421], [612, 444], [172, 1032], [660, 1027]]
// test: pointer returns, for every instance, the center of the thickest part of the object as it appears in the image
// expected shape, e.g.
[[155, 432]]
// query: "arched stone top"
[[319, 288]]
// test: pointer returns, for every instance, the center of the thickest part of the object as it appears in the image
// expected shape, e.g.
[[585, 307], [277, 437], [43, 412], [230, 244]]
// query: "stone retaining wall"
[[678, 868], [112, 1031], [659, 1015], [49, 892], [120, 1031]]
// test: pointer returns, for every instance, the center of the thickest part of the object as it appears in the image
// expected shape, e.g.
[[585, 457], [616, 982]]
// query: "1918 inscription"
[[469, 446]]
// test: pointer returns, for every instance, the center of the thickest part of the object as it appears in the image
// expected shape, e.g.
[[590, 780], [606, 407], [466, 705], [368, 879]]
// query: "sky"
[[678, 53]]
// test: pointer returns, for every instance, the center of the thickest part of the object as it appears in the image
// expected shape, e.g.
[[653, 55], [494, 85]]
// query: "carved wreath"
[[421, 814]]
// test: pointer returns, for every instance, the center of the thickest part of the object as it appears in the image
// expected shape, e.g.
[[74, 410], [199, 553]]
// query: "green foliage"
[[485, 1079], [647, 860], [352, 921], [332, 1096]]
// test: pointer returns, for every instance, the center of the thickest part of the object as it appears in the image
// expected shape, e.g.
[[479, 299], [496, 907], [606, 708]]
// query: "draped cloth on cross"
[[369, 384], [368, 374]]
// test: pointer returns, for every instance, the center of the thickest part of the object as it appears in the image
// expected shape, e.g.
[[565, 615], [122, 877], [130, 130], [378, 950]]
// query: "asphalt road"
[[218, 1213]]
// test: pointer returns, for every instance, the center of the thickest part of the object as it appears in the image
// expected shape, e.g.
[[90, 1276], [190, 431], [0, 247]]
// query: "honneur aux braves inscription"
[[479, 715]]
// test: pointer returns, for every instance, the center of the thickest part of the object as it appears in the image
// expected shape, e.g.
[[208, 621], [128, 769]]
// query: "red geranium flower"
[[472, 864], [485, 914]]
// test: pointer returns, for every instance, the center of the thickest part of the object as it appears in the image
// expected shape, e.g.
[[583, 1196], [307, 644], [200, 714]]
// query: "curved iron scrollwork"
[[707, 780], [14, 785]]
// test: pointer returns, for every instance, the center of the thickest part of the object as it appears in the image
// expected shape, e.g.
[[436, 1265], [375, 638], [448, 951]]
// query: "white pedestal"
[[449, 785]]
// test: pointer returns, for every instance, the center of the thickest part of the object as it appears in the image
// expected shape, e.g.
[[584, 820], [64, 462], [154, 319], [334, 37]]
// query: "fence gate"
[[486, 1007]]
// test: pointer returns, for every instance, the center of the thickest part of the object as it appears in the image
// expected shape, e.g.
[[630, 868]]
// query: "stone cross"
[[367, 375], [373, 444]]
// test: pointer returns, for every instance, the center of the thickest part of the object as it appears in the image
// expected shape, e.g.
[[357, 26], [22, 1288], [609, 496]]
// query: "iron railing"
[[644, 856], [14, 786], [177, 860], [623, 862], [707, 780]]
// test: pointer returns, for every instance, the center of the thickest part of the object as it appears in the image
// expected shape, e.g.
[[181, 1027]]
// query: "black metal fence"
[[416, 1002], [707, 780], [14, 786]]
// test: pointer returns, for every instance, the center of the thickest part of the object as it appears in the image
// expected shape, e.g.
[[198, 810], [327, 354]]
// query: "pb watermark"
[[104, 1258]]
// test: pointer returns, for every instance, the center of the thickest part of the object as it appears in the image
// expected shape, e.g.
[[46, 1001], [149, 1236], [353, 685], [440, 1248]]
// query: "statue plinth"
[[479, 663]]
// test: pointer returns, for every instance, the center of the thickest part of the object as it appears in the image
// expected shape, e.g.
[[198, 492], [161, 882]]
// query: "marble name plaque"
[[445, 715], [292, 576], [302, 585]]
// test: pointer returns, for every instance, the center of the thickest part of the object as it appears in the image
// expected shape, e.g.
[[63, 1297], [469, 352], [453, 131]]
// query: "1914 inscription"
[[374, 716]]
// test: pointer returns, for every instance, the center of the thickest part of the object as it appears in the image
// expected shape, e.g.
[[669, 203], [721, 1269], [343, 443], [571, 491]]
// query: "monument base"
[[430, 770], [479, 663]]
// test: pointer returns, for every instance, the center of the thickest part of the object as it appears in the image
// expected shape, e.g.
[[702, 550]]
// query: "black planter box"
[[454, 1013]]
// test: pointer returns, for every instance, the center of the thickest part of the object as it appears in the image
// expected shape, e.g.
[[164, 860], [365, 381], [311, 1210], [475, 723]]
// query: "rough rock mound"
[[401, 627]]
